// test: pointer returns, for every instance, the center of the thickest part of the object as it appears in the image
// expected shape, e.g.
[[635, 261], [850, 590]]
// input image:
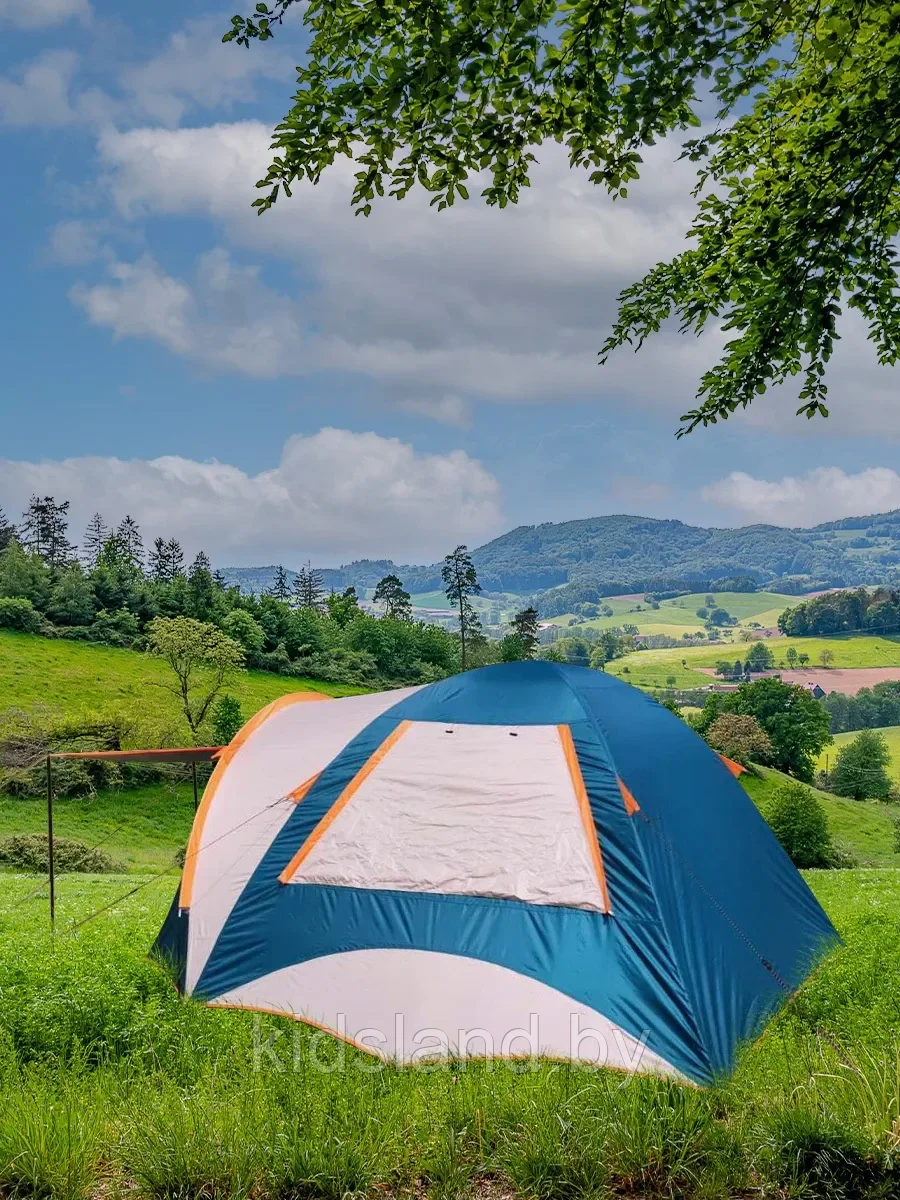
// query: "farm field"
[[891, 735], [651, 668], [110, 1084], [63, 674], [679, 616]]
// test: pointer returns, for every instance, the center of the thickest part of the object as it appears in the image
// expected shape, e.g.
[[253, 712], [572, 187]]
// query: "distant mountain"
[[628, 553]]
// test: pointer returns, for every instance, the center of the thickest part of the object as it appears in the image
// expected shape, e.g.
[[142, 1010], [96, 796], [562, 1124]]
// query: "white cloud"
[[37, 93], [823, 494], [74, 243], [40, 14], [469, 303], [473, 302], [333, 496], [196, 69]]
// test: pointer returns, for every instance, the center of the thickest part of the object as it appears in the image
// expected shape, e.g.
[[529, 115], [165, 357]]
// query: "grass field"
[[676, 617], [62, 674], [892, 737], [111, 1086], [651, 668]]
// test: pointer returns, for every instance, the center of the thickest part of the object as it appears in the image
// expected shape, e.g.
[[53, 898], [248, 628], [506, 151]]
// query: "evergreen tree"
[[94, 540], [220, 581], [129, 535], [157, 561], [395, 600], [525, 625], [308, 590], [72, 601], [174, 559], [44, 531], [460, 584], [201, 587], [280, 589], [7, 531]]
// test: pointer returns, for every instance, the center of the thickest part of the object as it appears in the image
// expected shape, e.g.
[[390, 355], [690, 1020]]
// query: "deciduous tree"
[[799, 204], [860, 769], [202, 659]]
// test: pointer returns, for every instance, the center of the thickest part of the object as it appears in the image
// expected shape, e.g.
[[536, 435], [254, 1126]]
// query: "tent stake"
[[50, 842]]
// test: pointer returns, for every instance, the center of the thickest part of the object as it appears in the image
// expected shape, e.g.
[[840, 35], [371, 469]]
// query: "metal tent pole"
[[50, 842], [194, 778]]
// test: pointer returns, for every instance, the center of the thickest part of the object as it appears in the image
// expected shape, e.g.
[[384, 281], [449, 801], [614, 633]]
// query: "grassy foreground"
[[111, 1085]]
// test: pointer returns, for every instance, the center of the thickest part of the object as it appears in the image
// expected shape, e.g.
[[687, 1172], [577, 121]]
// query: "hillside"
[[891, 734], [63, 675], [622, 553]]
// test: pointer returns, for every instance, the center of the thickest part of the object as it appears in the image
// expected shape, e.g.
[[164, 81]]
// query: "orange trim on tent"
[[631, 805], [301, 792], [343, 800], [223, 760], [584, 806], [734, 767]]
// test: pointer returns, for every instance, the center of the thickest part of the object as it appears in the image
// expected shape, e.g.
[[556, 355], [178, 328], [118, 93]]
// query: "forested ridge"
[[619, 554]]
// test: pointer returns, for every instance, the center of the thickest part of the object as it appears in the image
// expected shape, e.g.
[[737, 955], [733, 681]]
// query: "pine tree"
[[220, 581], [129, 535], [157, 561], [525, 625], [391, 594], [280, 589], [308, 589], [200, 563], [460, 584], [45, 527], [94, 540], [174, 559], [7, 531]]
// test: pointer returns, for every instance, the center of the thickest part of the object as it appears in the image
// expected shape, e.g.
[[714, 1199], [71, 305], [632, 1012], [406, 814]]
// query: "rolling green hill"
[[864, 827], [653, 668], [623, 553], [679, 616], [64, 674]]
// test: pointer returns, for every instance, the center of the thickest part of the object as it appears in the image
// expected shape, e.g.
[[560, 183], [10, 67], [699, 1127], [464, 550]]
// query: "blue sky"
[[308, 383]]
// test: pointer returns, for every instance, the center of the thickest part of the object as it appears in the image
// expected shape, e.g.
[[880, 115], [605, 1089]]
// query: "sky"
[[309, 383]]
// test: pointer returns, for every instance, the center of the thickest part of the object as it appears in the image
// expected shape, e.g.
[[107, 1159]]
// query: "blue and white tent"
[[523, 859]]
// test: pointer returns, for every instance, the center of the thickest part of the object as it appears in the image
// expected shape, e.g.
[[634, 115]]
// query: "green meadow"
[[65, 674], [652, 668], [679, 616]]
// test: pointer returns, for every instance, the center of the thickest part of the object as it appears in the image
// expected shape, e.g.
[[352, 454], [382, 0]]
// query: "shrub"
[[227, 719], [19, 614], [798, 820], [29, 852]]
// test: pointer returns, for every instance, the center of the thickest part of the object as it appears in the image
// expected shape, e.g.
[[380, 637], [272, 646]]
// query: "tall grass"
[[111, 1084]]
